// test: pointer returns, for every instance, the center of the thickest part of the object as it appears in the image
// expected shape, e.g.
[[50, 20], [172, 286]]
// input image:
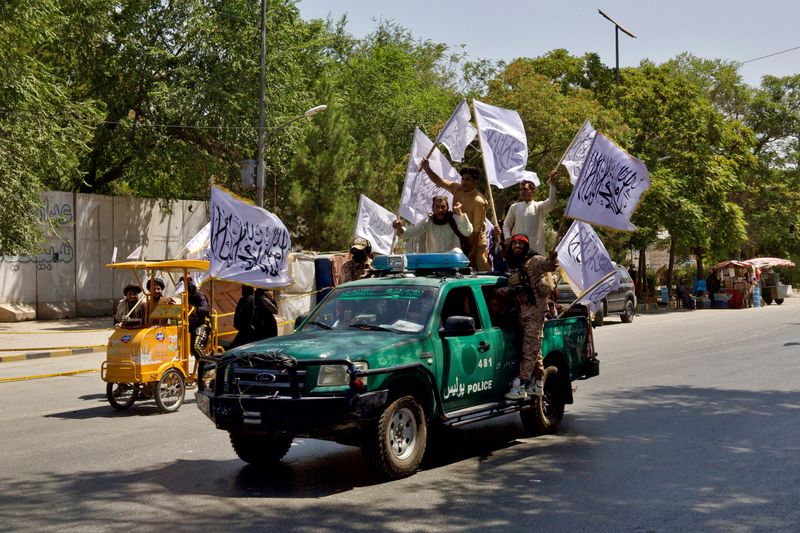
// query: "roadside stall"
[[736, 282], [771, 287]]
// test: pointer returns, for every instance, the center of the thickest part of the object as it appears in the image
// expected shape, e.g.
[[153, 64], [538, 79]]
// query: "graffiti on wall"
[[56, 218]]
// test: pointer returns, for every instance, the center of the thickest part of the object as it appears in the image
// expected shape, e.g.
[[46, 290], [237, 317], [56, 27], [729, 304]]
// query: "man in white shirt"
[[527, 217], [441, 229]]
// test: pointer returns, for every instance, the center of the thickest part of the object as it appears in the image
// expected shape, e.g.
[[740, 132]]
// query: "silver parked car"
[[622, 300]]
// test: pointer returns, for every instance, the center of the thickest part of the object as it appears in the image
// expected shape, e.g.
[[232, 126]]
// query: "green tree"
[[44, 129]]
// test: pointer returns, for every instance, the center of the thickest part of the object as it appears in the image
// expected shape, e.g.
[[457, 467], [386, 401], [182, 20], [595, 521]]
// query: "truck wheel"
[[170, 391], [779, 301], [260, 450], [545, 415], [396, 447], [121, 395], [629, 313]]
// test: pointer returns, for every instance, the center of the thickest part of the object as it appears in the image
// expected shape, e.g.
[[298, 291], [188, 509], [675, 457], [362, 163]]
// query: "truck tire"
[[547, 411], [122, 395], [260, 450], [630, 312], [397, 443]]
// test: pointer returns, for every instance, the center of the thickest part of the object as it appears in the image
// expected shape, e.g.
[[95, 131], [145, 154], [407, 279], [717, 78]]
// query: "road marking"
[[43, 376]]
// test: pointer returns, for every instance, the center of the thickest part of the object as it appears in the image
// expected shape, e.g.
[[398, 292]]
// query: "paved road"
[[692, 425]]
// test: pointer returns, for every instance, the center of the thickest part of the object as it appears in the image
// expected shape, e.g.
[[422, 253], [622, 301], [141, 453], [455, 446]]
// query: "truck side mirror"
[[299, 320], [459, 326]]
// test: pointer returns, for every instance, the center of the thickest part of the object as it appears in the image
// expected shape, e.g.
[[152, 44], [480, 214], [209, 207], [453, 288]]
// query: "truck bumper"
[[310, 415]]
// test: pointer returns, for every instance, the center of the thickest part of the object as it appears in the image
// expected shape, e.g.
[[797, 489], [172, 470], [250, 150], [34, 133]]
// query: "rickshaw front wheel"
[[170, 391], [121, 395]]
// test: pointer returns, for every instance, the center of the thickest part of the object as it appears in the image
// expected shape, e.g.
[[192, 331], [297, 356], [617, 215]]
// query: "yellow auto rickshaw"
[[149, 358]]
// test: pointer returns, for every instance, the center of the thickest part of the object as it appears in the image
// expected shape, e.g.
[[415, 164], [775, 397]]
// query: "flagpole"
[[486, 173], [584, 293]]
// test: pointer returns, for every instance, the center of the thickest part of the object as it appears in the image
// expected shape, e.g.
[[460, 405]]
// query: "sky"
[[732, 30]]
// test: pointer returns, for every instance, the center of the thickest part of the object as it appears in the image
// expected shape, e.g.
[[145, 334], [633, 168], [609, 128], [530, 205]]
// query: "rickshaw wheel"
[[121, 395], [170, 391]]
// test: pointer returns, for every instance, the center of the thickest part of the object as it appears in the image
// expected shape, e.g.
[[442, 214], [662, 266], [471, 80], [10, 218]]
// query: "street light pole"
[[617, 27], [310, 113], [260, 162]]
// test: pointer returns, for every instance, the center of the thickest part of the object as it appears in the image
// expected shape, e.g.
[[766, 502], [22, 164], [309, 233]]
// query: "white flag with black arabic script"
[[584, 261], [609, 187], [577, 150], [374, 223], [458, 133], [418, 189], [248, 244], [504, 145]]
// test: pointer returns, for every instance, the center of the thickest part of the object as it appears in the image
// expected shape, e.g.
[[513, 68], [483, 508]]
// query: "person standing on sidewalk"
[[529, 284]]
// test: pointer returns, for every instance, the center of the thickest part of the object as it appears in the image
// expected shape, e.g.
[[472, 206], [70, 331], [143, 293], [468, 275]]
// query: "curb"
[[52, 353]]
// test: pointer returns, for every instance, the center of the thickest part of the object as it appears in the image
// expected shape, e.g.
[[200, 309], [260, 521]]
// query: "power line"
[[769, 55]]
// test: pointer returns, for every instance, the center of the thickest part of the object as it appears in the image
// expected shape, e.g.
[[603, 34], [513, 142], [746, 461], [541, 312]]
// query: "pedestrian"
[[442, 229], [527, 217], [130, 310], [264, 308], [199, 318], [474, 205], [243, 318], [529, 284], [360, 263]]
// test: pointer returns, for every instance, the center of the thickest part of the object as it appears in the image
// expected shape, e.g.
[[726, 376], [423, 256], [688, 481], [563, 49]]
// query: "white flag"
[[418, 189], [576, 151], [374, 223], [248, 244], [584, 261], [199, 242], [609, 187], [114, 255], [136, 255], [458, 132], [504, 145]]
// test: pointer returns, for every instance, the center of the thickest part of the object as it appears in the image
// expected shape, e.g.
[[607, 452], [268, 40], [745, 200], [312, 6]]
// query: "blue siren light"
[[399, 263]]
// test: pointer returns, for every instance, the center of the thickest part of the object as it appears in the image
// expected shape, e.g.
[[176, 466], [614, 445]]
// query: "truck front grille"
[[268, 382]]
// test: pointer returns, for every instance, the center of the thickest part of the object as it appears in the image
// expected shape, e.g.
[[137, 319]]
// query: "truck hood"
[[353, 344]]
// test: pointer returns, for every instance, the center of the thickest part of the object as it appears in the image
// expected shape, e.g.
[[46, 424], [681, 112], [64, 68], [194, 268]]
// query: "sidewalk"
[[39, 339]]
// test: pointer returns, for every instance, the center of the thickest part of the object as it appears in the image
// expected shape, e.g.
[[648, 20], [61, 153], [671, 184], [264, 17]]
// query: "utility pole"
[[260, 162], [617, 27]]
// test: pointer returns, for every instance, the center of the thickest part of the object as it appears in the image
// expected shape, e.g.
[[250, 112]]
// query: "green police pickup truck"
[[381, 360]]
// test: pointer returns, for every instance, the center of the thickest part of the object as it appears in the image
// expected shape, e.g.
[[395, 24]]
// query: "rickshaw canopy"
[[766, 262], [171, 265], [732, 263]]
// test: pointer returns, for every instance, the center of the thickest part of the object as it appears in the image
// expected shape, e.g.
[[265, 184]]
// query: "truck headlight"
[[337, 376]]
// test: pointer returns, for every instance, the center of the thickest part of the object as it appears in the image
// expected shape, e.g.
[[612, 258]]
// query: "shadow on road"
[[657, 451]]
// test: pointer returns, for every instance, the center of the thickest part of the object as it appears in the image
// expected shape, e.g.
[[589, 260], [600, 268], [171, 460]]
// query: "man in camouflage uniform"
[[529, 284], [359, 264]]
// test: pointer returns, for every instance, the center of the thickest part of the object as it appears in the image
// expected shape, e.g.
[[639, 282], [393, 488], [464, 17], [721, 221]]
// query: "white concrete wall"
[[69, 277]]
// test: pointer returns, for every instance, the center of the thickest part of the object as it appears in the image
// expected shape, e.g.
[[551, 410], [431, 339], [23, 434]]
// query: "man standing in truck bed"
[[473, 204]]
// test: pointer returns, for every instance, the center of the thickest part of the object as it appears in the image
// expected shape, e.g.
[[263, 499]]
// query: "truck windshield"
[[379, 308]]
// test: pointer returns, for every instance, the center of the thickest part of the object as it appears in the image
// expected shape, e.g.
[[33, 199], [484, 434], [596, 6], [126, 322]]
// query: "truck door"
[[504, 326], [468, 363]]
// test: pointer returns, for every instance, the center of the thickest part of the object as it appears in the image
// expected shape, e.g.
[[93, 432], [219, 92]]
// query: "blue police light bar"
[[400, 263]]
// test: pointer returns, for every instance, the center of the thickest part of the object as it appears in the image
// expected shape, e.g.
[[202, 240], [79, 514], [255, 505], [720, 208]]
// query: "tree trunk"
[[699, 256], [641, 274], [671, 265]]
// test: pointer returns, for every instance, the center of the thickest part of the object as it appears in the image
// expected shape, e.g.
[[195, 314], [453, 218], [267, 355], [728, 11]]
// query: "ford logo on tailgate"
[[266, 377]]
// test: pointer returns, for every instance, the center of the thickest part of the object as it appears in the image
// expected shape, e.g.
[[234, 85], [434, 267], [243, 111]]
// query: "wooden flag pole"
[[486, 173]]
